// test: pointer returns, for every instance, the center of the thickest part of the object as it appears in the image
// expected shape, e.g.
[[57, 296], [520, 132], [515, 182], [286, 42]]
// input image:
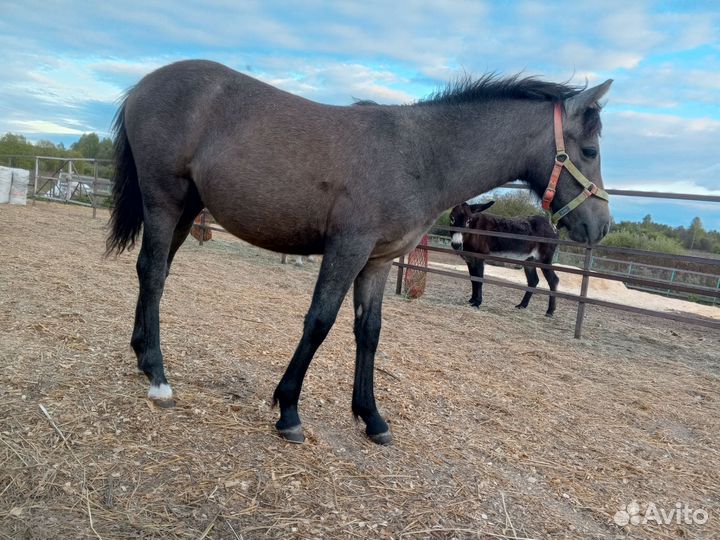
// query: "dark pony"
[[473, 217]]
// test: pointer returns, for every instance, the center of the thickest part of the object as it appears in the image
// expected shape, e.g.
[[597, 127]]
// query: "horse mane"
[[490, 86], [364, 102]]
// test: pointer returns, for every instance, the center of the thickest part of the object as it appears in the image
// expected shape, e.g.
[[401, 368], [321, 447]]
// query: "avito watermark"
[[681, 514]]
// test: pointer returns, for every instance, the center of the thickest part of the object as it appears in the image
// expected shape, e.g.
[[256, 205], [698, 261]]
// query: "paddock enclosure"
[[504, 425]]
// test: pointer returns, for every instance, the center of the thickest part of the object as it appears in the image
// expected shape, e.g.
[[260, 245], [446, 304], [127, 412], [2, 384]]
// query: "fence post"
[[398, 285], [583, 293], [94, 188], [283, 258], [37, 169], [68, 193], [202, 225], [718, 288], [672, 279]]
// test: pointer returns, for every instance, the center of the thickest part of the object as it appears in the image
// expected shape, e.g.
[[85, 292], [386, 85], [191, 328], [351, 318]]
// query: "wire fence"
[[80, 181]]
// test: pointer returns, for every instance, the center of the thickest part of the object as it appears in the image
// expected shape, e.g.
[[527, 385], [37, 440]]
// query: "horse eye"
[[590, 153], [452, 221]]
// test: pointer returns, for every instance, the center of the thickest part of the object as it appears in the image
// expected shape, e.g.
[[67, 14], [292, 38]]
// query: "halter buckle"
[[561, 157]]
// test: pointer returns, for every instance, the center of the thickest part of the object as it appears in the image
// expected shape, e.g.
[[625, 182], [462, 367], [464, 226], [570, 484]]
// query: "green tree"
[[88, 145], [696, 233], [105, 149]]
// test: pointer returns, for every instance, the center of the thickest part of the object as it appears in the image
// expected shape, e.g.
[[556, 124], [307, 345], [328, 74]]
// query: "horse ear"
[[477, 208], [586, 99]]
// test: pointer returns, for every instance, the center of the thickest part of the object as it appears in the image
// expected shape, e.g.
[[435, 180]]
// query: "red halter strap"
[[560, 158]]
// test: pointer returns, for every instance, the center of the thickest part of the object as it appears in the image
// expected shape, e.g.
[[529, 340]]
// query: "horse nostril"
[[605, 230]]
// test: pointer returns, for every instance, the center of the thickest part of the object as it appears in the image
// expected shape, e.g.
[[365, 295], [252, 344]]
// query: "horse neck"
[[472, 148]]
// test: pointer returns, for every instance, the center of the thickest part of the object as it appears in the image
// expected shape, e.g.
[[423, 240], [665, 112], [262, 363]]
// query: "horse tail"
[[127, 214]]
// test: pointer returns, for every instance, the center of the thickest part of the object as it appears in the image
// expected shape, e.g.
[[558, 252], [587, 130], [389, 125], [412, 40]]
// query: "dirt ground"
[[504, 425]]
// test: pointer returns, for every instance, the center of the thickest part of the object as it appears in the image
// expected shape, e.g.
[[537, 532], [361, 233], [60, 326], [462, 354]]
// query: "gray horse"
[[359, 185]]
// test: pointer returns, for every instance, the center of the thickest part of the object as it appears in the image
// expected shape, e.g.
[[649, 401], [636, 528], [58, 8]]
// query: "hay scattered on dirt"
[[504, 425]]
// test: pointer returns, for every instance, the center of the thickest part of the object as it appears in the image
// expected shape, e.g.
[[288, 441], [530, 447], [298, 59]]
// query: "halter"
[[563, 160]]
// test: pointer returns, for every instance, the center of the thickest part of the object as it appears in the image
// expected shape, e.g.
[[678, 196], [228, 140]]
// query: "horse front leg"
[[368, 296], [341, 263]]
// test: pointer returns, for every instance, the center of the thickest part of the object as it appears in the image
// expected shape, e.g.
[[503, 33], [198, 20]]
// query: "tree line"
[[672, 239], [89, 145]]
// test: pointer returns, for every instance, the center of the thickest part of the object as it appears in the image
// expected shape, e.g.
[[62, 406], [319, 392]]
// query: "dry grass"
[[504, 425]]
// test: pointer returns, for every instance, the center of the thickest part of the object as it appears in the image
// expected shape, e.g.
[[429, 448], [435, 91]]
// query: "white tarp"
[[5, 183], [19, 187]]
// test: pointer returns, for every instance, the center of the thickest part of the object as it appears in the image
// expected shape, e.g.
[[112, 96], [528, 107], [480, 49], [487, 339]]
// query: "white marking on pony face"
[[535, 254], [457, 240], [359, 311], [161, 392]]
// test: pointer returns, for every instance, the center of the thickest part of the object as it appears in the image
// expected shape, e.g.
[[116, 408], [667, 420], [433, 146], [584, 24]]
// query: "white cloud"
[[44, 127], [667, 186], [339, 83]]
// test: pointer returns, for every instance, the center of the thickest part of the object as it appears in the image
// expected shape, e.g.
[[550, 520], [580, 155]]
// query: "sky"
[[64, 64]]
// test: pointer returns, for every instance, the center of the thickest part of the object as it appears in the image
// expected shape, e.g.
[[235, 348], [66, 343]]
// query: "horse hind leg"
[[161, 220], [193, 206]]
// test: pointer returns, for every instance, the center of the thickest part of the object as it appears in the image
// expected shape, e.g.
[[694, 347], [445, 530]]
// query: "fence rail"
[[67, 184], [586, 272]]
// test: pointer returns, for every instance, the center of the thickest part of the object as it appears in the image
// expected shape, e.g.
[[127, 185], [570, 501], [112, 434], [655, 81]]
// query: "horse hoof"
[[383, 438], [164, 403], [293, 434], [548, 314], [520, 306]]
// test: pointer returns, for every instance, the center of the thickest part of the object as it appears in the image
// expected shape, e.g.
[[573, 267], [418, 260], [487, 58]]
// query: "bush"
[[633, 240], [515, 204]]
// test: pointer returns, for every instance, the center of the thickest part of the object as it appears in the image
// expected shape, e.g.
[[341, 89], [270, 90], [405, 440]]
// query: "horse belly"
[[282, 230]]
